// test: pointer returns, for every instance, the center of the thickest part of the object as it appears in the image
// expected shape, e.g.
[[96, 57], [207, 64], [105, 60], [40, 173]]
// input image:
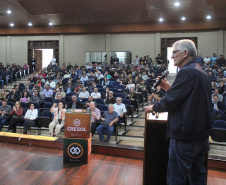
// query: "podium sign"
[[76, 150], [77, 123]]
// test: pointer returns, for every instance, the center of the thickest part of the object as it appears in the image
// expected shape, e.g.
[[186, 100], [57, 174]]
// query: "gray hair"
[[110, 105], [118, 98], [186, 44]]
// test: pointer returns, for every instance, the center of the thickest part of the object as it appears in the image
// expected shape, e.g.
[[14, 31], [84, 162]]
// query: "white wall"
[[3, 49], [72, 48], [75, 47]]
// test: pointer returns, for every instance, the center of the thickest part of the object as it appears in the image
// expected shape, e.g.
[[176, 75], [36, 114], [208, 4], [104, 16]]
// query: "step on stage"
[[57, 143], [97, 147]]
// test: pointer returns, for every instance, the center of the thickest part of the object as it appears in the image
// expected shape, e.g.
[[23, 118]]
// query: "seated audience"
[[47, 92], [156, 95], [95, 94], [58, 120], [16, 116], [5, 111], [220, 97], [120, 108], [74, 104], [95, 116], [217, 105], [30, 118], [13, 96], [110, 98], [69, 88], [59, 99], [25, 97], [109, 118], [133, 97], [84, 93]]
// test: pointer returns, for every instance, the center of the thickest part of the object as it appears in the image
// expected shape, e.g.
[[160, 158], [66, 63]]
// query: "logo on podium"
[[76, 122], [75, 150]]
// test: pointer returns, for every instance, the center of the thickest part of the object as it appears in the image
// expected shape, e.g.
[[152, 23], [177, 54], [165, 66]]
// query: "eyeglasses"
[[175, 51]]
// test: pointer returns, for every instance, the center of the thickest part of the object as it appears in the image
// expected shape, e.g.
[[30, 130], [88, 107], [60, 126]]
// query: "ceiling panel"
[[75, 12]]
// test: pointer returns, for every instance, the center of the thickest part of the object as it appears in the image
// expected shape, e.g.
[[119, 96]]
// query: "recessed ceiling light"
[[30, 24], [208, 17], [183, 18], [11, 24], [9, 11], [161, 19], [176, 4], [50, 23]]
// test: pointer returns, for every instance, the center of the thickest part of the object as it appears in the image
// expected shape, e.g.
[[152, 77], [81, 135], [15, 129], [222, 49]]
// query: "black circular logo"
[[75, 150]]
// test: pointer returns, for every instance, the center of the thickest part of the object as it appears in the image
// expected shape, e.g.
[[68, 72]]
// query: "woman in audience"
[[25, 97], [116, 75], [67, 75], [213, 86], [125, 81], [107, 75], [106, 94], [130, 84], [59, 118], [133, 97], [140, 77], [16, 116], [136, 80], [74, 75], [105, 82], [29, 118]]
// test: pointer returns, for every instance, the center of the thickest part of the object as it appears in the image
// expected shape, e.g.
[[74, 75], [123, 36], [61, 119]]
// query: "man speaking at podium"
[[188, 103]]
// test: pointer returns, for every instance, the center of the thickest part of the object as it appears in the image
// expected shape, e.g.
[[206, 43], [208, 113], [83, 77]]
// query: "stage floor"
[[25, 165]]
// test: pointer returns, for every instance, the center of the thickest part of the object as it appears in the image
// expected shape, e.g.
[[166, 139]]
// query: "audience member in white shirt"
[[96, 94], [29, 118], [120, 108], [84, 93]]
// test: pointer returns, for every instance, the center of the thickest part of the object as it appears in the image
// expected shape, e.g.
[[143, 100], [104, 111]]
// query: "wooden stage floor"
[[25, 165]]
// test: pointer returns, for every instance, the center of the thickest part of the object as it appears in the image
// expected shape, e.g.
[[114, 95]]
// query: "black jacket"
[[220, 105], [188, 103]]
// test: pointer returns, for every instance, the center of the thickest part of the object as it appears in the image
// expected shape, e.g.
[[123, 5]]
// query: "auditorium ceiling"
[[110, 12]]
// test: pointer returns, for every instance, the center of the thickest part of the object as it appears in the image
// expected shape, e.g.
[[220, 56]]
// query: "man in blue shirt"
[[47, 92], [109, 118], [213, 59]]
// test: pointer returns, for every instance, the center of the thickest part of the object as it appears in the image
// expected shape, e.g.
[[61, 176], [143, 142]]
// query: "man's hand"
[[164, 84], [110, 124], [93, 114], [148, 108], [102, 119]]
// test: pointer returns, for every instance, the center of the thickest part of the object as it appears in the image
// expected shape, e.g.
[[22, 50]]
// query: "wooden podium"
[[156, 153], [77, 123], [77, 137]]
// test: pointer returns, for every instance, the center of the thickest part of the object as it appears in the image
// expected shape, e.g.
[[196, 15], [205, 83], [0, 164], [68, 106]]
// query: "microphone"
[[165, 74]]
